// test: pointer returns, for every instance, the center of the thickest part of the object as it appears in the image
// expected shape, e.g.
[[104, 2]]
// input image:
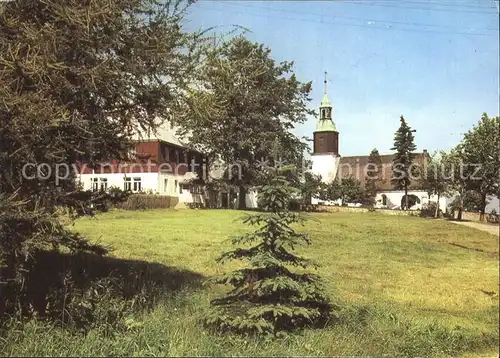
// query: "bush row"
[[144, 201]]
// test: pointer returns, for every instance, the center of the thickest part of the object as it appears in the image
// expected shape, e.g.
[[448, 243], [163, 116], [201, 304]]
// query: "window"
[[132, 153], [192, 167], [177, 156], [94, 183], [166, 153], [196, 189], [186, 187], [104, 184], [137, 184], [176, 184], [165, 185], [323, 113], [384, 199], [127, 184]]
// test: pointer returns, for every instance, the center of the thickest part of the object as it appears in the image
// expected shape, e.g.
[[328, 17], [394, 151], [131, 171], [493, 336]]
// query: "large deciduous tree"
[[403, 168], [435, 179], [348, 190], [351, 191], [310, 187], [77, 79], [481, 155], [456, 177], [256, 101], [373, 177]]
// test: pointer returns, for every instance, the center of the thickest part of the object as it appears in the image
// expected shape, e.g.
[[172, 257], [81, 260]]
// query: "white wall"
[[325, 165], [149, 181], [316, 201], [394, 199], [172, 188], [494, 204], [251, 199], [187, 197]]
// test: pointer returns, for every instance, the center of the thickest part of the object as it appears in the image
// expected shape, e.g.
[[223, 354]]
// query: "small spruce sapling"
[[268, 297]]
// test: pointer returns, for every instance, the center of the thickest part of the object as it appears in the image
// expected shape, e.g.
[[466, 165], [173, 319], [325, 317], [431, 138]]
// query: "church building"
[[330, 165]]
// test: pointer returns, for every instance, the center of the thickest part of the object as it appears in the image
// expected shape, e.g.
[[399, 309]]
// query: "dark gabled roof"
[[356, 166]]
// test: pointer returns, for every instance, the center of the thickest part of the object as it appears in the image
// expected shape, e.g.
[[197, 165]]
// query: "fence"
[[143, 202]]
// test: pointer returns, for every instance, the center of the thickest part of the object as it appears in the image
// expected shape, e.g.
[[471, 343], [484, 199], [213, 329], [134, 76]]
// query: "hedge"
[[145, 201]]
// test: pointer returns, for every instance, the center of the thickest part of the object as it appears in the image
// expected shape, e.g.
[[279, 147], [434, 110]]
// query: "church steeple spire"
[[325, 102], [325, 83], [325, 122]]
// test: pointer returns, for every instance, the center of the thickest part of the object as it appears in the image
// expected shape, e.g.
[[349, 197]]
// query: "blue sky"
[[434, 61]]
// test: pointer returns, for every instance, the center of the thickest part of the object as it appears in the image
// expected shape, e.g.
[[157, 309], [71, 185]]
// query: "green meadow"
[[406, 286]]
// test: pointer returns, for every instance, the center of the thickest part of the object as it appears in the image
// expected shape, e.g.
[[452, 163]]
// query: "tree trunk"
[[406, 196], [242, 204], [483, 207], [436, 214], [461, 205]]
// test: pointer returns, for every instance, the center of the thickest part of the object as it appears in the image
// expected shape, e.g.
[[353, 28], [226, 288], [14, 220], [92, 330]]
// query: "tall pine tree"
[[268, 297], [403, 168]]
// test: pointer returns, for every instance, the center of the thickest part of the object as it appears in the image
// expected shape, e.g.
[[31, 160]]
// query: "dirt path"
[[492, 229]]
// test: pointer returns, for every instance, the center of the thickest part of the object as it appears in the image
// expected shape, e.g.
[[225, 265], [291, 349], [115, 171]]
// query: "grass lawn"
[[407, 287]]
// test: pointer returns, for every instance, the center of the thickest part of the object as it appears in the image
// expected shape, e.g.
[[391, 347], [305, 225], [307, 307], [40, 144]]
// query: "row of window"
[[135, 184], [129, 184], [176, 186], [176, 153], [97, 184], [180, 156], [194, 189], [168, 154]]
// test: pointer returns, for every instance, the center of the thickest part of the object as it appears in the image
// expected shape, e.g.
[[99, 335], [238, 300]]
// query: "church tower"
[[325, 156]]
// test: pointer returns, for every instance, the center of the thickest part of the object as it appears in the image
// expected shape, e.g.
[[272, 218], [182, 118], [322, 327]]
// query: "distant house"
[[163, 167]]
